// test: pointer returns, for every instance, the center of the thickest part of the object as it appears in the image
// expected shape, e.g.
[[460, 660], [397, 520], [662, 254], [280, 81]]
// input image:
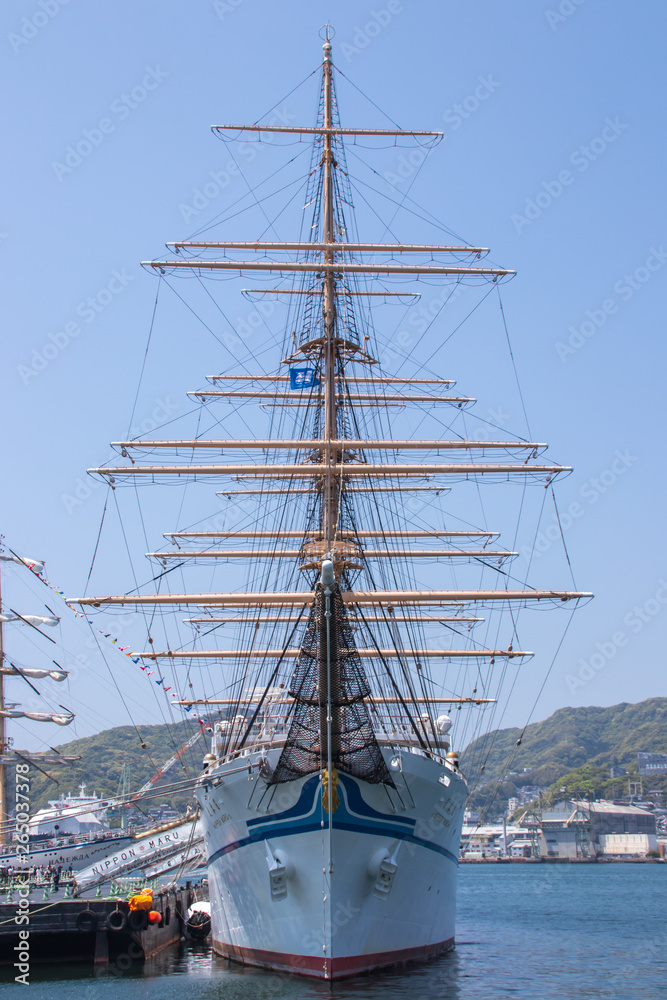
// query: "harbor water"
[[530, 932]]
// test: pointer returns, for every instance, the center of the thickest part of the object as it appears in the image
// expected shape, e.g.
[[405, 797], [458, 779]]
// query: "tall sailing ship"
[[332, 799]]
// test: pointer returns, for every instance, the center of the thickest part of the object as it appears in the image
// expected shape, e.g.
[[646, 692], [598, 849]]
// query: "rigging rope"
[[516, 374], [143, 364], [97, 543], [560, 528]]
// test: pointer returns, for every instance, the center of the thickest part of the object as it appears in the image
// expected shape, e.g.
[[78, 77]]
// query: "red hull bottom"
[[329, 968]]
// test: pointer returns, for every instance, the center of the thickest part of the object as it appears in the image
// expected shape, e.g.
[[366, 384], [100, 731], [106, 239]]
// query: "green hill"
[[570, 738], [103, 756], [574, 748]]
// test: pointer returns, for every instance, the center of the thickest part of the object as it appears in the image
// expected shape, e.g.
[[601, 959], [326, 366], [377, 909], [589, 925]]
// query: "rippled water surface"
[[531, 932]]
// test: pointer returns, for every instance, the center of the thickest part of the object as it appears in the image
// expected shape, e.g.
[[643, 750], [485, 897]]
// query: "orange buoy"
[[142, 900], [154, 917]]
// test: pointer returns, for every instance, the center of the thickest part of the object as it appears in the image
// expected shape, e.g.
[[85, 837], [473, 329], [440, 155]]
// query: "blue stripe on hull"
[[353, 814]]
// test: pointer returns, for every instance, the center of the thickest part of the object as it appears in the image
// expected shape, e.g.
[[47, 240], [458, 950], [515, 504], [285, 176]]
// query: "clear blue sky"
[[554, 157]]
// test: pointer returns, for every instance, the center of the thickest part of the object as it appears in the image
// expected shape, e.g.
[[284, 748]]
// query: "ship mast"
[[330, 503], [328, 661], [331, 463]]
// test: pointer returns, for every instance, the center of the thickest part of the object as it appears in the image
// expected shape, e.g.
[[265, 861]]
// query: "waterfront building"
[[522, 847], [576, 829], [492, 840], [652, 763]]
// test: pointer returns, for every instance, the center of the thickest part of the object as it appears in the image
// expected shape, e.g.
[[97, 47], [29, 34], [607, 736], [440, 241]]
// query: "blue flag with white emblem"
[[303, 378]]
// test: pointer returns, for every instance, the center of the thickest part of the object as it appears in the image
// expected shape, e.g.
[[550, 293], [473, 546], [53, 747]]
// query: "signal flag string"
[[127, 651]]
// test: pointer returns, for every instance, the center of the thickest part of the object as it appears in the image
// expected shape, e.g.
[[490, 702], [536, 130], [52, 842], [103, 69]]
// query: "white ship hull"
[[391, 895], [57, 852]]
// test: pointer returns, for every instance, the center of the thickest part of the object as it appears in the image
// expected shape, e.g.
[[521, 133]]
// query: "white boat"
[[152, 852], [331, 801], [71, 814], [70, 830], [79, 852]]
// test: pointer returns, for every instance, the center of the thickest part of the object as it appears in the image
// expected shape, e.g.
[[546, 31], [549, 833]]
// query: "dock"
[[94, 931]]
